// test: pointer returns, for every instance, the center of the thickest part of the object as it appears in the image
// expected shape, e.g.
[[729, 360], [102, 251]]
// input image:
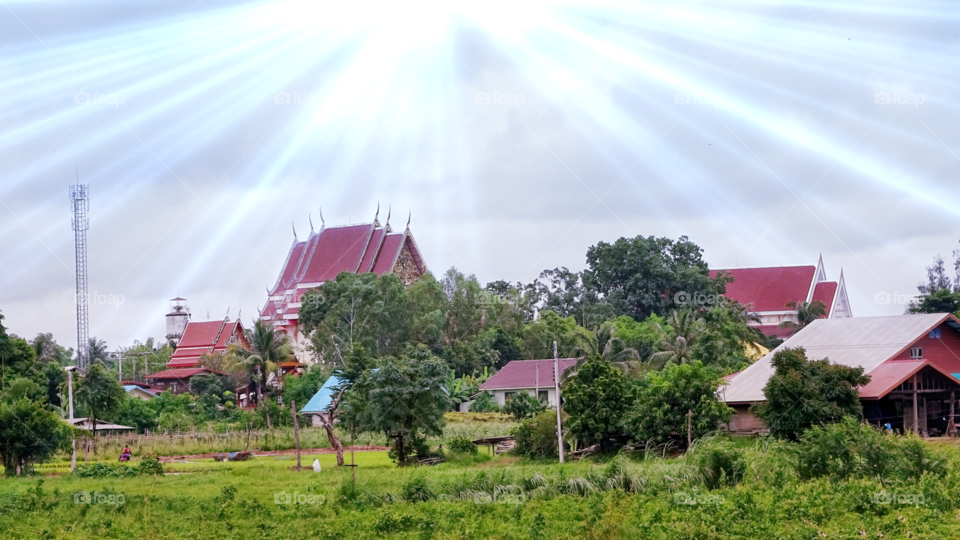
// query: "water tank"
[[177, 319]]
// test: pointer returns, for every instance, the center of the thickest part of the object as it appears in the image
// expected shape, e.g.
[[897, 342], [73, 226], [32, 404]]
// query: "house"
[[87, 424], [767, 291], [207, 337], [362, 248], [319, 404], [178, 380], [534, 377], [139, 391], [913, 362]]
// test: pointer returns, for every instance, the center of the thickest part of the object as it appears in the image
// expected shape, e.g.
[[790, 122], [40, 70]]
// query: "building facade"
[[324, 254]]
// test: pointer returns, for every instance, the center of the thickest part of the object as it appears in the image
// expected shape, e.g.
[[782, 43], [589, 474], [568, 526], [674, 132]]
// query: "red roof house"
[[206, 337], [767, 291], [534, 377], [913, 362], [178, 380], [325, 254]]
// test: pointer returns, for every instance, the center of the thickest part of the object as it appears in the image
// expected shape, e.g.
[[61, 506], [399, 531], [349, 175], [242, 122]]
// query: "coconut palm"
[[269, 348], [687, 328], [97, 350], [807, 312], [604, 343]]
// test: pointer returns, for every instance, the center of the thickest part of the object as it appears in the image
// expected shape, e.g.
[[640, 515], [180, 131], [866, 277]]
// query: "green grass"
[[623, 498]]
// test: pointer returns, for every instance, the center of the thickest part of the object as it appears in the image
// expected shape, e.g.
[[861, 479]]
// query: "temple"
[[326, 253], [197, 339], [767, 291]]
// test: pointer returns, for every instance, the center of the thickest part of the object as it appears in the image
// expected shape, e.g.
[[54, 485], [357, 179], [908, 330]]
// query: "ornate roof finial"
[[310, 219], [322, 223], [409, 216], [293, 225], [387, 226]]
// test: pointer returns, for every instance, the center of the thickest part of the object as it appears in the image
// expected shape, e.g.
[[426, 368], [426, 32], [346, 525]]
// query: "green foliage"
[[522, 405], [538, 336], [461, 445], [640, 276], [537, 436], [99, 393], [851, 449], [101, 469], [301, 389], [29, 434], [138, 413], [484, 403], [403, 399], [803, 393], [939, 294], [150, 464], [720, 462], [597, 399], [662, 400]]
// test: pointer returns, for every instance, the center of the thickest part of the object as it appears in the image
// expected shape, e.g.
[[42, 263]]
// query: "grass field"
[[479, 497]]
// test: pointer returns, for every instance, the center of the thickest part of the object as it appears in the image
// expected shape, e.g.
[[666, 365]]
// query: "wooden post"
[[556, 385], [916, 418], [296, 429], [353, 466], [689, 428], [952, 423]]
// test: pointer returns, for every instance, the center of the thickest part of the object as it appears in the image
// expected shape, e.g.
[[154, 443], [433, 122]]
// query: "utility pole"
[[296, 429], [556, 386]]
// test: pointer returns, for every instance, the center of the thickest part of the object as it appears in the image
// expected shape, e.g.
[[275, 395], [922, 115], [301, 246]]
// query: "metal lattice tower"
[[80, 201]]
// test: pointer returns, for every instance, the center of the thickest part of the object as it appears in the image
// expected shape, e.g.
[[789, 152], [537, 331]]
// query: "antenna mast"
[[80, 201]]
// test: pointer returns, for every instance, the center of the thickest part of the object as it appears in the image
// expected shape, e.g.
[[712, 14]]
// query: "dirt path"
[[292, 452]]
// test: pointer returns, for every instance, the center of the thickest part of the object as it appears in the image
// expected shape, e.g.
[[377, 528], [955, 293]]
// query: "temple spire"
[[293, 225], [322, 223], [386, 227], [310, 219], [409, 216], [376, 220]]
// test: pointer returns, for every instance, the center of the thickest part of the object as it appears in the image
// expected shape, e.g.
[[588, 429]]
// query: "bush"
[[522, 405], [720, 462], [105, 470], [537, 436], [462, 445], [485, 403], [150, 464]]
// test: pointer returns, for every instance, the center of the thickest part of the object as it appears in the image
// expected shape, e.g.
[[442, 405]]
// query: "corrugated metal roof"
[[863, 342], [320, 401]]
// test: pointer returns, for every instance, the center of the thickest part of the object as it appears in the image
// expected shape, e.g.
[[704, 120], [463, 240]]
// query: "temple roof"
[[201, 338], [330, 251]]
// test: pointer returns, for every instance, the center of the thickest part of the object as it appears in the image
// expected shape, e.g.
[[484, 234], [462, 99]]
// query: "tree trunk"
[[334, 440], [296, 429], [266, 411]]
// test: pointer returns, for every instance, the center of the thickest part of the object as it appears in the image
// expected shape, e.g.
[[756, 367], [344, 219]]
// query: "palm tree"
[[687, 328], [807, 312], [268, 349], [96, 350], [604, 343]]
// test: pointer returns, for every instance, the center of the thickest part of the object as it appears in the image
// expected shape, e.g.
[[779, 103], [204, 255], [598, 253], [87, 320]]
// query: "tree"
[[330, 419], [686, 329], [99, 393], [138, 413], [664, 398], [269, 348], [29, 433], [803, 393], [97, 350], [538, 336], [597, 399], [641, 276], [604, 343], [939, 294], [484, 403], [807, 312], [403, 399], [564, 292]]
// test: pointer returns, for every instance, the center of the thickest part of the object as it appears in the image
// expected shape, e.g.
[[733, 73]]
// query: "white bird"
[[316, 465]]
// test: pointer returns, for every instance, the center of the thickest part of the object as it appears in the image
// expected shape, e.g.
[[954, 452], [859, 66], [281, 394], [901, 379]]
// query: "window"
[[543, 396], [508, 395], [935, 333], [916, 353]]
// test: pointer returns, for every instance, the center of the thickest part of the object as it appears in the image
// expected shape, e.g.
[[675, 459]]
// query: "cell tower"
[[80, 200]]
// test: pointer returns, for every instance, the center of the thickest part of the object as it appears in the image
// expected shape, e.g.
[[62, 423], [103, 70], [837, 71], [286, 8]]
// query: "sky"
[[513, 134]]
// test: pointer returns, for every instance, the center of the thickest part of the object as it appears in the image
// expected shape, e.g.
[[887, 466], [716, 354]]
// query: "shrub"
[[537, 436], [485, 403], [720, 462], [105, 470], [597, 399], [417, 490], [150, 464], [462, 445], [521, 405]]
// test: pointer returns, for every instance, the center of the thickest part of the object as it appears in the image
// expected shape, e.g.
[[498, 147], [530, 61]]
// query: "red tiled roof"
[[337, 250], [387, 254], [200, 334], [774, 330], [289, 266], [181, 373], [373, 248], [201, 338], [825, 291], [769, 289], [526, 374]]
